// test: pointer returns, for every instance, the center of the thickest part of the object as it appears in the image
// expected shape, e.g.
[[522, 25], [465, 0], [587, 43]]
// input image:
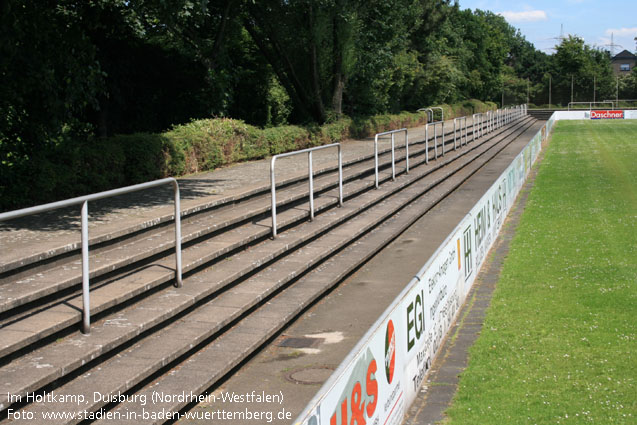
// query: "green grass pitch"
[[559, 343]]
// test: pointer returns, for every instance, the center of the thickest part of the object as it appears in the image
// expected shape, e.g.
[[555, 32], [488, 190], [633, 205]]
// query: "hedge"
[[73, 167]]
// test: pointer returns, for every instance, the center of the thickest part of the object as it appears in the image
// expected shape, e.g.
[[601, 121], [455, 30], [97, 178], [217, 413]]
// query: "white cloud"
[[526, 16]]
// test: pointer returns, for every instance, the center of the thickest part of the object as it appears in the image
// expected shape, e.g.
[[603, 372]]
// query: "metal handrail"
[[476, 130], [84, 200], [393, 156], [428, 111], [590, 104], [310, 178], [442, 112], [435, 139], [461, 119]]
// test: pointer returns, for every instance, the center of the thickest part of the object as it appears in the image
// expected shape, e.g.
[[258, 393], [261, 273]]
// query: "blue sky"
[[593, 20]]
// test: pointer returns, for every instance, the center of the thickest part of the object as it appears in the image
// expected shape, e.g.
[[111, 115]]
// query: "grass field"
[[559, 343]]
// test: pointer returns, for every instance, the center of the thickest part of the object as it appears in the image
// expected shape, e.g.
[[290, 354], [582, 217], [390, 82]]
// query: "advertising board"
[[607, 115], [382, 375]]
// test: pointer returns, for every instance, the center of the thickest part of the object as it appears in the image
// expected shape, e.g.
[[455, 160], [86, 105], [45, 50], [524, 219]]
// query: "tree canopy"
[[91, 69]]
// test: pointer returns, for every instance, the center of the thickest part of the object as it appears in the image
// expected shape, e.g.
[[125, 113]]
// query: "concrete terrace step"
[[234, 345], [161, 306], [32, 327], [37, 252], [14, 293], [27, 289], [61, 244], [24, 289]]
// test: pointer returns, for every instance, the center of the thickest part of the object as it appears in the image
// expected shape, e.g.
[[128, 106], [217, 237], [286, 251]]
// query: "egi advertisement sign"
[[381, 376]]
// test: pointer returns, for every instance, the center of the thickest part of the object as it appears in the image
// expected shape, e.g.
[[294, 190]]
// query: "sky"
[[540, 21]]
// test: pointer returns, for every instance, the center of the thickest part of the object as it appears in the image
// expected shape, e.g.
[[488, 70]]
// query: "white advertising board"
[[595, 115], [630, 115], [381, 376]]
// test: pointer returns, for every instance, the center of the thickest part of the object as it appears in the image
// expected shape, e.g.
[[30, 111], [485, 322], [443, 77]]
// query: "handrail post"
[[480, 125], [454, 134], [443, 138], [273, 196], [407, 151], [340, 176], [376, 159], [86, 305], [178, 270], [427, 143], [393, 159], [435, 143], [466, 133], [311, 183]]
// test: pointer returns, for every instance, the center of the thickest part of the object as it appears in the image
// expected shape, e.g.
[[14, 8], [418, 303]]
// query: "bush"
[[286, 138], [78, 165]]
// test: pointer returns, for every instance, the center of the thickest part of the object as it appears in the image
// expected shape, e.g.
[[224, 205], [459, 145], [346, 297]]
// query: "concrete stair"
[[240, 286], [541, 114]]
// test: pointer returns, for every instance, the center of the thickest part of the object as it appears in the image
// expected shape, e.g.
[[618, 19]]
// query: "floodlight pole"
[[550, 78]]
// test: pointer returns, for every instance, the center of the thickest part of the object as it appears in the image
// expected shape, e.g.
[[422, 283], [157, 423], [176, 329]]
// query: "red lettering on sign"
[[356, 402], [372, 388], [607, 115]]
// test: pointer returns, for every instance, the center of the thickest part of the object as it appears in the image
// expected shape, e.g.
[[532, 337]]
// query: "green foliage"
[[78, 164], [286, 138], [108, 67]]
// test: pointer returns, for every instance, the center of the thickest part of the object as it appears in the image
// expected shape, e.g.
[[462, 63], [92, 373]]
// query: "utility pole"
[[550, 78], [572, 79]]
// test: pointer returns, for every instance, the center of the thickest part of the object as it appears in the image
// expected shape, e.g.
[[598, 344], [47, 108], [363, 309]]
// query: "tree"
[[585, 72]]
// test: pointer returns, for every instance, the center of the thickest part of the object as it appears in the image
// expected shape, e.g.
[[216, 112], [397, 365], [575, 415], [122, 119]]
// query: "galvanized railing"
[[474, 126], [442, 112], [435, 127], [590, 104], [393, 155], [428, 111], [455, 126], [310, 178], [84, 200]]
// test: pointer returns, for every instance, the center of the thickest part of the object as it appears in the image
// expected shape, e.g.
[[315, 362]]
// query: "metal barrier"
[[393, 156], [464, 120], [442, 112], [84, 200], [590, 104], [434, 124], [428, 111], [476, 120], [310, 177]]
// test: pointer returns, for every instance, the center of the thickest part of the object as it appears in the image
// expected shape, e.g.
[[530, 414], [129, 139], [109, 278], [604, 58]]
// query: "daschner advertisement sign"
[[607, 115], [381, 376]]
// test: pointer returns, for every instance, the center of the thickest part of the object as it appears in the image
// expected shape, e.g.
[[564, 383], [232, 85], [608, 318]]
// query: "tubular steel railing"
[[310, 178], [590, 104], [84, 200], [461, 120], [442, 112], [434, 124], [474, 125], [393, 155], [428, 111]]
